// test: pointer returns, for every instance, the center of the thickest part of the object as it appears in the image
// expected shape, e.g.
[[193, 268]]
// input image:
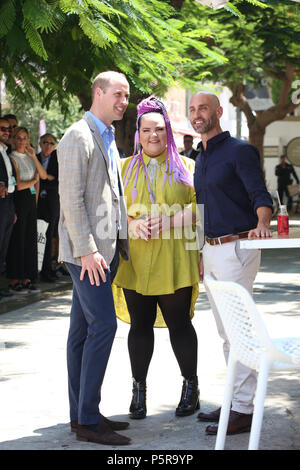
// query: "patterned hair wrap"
[[173, 164]]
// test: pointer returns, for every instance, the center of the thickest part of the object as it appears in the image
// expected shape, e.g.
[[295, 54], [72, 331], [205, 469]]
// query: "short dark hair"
[[104, 79], [10, 116], [188, 135], [48, 135]]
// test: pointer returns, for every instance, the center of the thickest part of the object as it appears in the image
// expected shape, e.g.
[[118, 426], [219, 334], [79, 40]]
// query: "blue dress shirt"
[[229, 182], [45, 161], [107, 134], [101, 127], [108, 137]]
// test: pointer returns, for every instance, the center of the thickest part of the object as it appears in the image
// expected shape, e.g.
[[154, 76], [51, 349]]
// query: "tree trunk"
[[256, 138], [85, 99], [125, 131], [177, 4], [258, 122]]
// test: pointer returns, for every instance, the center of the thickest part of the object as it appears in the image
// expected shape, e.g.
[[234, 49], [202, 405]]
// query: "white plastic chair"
[[251, 345]]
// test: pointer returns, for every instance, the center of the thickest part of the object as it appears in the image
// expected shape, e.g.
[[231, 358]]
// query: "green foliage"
[[34, 38], [275, 90], [30, 115], [43, 16], [55, 47], [7, 16], [257, 42], [65, 43]]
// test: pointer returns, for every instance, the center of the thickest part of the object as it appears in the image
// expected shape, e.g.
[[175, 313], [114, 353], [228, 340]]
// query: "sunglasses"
[[49, 143], [3, 129]]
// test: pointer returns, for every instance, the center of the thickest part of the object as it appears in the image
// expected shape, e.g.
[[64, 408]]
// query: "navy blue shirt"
[[229, 182]]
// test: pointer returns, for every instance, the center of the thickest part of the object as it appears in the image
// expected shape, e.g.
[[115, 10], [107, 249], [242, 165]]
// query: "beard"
[[207, 124], [4, 140]]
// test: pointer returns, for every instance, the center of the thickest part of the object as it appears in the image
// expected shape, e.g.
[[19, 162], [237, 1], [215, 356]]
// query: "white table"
[[277, 241]]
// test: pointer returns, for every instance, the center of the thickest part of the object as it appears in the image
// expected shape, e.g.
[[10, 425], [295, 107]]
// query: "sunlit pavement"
[[34, 403]]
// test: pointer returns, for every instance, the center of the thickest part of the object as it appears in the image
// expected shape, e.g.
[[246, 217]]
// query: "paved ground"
[[34, 405]]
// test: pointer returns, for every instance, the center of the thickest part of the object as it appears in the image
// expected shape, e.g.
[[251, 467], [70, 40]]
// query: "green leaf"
[[257, 3], [16, 41], [42, 16], [7, 16], [98, 32], [234, 10], [34, 39]]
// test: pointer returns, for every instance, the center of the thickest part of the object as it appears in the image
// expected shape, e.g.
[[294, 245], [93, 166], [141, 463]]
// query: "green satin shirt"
[[170, 261]]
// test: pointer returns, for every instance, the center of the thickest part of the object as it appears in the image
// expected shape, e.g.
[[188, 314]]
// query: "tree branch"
[[177, 4], [238, 99], [273, 74], [275, 113], [286, 84]]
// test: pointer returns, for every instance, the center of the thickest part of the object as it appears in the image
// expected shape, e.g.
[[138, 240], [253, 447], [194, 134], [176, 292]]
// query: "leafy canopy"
[[257, 42], [57, 46]]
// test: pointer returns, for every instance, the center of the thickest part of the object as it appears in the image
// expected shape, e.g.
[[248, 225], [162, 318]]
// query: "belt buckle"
[[219, 240]]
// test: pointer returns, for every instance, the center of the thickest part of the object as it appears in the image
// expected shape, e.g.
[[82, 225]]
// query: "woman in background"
[[21, 261]]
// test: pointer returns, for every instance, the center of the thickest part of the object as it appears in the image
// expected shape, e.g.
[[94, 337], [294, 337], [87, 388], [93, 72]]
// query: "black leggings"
[[175, 309]]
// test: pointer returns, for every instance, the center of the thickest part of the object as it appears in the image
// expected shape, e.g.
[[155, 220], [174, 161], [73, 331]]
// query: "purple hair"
[[173, 161]]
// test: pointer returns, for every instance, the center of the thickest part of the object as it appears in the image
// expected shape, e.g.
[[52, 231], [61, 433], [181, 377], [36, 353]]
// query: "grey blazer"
[[92, 209]]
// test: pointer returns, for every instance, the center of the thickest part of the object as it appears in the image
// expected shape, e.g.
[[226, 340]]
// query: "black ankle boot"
[[138, 408], [189, 401]]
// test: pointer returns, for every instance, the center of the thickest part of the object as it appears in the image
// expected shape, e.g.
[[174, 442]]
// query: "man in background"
[[284, 172], [189, 151], [7, 190], [13, 123], [48, 203]]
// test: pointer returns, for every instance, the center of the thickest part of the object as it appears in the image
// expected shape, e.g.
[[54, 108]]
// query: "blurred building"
[[278, 134]]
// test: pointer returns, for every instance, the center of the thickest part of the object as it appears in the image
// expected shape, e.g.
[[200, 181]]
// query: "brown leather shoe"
[[114, 425], [237, 423], [104, 435], [213, 416]]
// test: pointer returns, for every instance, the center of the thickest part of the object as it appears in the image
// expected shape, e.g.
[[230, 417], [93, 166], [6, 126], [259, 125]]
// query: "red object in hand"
[[283, 224]]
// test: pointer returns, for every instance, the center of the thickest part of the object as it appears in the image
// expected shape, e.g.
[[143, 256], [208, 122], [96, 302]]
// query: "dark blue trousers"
[[92, 330]]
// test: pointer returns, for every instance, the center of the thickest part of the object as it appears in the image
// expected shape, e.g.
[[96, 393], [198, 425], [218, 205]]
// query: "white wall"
[[279, 134]]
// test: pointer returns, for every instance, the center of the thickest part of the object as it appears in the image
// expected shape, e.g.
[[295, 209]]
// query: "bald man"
[[229, 182]]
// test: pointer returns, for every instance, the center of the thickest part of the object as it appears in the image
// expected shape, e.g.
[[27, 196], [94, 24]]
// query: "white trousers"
[[228, 262]]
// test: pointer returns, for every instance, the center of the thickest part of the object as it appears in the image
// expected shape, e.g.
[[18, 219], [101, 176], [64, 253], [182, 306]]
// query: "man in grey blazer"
[[92, 232]]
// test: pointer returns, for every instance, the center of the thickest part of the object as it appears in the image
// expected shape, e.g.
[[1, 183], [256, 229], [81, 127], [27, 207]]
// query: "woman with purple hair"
[[158, 286]]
